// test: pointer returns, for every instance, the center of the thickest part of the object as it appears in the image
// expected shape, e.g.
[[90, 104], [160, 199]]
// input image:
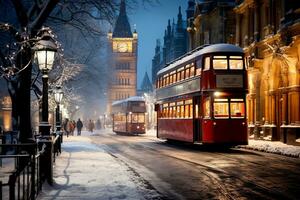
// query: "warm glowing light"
[[217, 94]]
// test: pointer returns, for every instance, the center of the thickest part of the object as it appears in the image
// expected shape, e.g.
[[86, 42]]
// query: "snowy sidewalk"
[[263, 145], [86, 171], [273, 147]]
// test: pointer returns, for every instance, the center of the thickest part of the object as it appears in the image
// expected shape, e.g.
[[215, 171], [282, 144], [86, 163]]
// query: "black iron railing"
[[25, 174]]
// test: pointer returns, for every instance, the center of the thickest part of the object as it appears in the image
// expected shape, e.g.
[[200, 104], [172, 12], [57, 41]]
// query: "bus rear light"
[[138, 127]]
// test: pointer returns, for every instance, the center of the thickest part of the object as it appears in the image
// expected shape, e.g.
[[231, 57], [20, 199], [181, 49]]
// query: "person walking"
[[66, 127], [91, 125], [79, 125]]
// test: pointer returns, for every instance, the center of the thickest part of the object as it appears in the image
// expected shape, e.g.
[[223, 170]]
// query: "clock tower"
[[123, 60]]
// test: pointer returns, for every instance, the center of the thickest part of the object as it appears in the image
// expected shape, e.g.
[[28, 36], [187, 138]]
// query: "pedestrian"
[[91, 125], [73, 126], [98, 124], [79, 125], [66, 127]]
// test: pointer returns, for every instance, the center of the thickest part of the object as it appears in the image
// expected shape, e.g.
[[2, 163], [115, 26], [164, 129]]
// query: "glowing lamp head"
[[45, 50], [58, 95]]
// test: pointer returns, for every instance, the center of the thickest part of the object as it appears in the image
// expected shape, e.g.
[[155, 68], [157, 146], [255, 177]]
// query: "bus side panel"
[[138, 128], [225, 131], [175, 129], [208, 80], [230, 131], [207, 131], [119, 127]]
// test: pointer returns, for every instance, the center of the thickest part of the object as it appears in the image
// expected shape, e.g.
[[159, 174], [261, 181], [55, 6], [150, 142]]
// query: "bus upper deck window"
[[192, 70], [207, 63], [220, 62], [236, 62]]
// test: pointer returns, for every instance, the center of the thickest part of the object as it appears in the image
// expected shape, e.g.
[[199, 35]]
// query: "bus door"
[[206, 120], [196, 119]]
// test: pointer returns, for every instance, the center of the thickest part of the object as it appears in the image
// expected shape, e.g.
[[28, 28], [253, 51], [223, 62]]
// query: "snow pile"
[[273, 147]]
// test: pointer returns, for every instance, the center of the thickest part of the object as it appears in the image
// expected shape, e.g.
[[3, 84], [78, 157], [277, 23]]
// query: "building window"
[[123, 66]]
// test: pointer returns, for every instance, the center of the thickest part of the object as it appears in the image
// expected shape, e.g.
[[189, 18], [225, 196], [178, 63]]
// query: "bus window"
[[220, 62], [178, 112], [160, 82], [182, 111], [191, 111], [182, 75], [174, 77], [206, 108], [206, 63], [174, 111], [221, 109], [129, 118], [187, 111], [135, 118], [141, 118], [237, 108], [171, 79], [187, 72], [170, 112], [236, 62], [196, 111], [178, 75], [168, 81], [192, 70]]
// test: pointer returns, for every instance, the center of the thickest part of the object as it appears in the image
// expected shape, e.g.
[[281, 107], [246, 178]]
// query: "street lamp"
[[58, 95], [45, 50]]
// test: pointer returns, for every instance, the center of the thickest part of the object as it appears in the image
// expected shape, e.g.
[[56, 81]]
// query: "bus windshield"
[[221, 62], [225, 108]]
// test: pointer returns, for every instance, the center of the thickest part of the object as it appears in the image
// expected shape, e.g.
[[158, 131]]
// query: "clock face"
[[122, 47]]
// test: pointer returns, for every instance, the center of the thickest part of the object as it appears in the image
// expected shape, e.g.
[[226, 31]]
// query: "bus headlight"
[[138, 127]]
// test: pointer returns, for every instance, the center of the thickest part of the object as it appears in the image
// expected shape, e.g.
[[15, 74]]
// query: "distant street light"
[[45, 50], [58, 95]]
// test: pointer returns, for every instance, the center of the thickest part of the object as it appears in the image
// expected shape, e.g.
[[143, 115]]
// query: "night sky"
[[151, 21]]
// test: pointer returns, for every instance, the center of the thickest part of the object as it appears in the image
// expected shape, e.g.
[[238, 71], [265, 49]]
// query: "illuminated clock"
[[122, 47]]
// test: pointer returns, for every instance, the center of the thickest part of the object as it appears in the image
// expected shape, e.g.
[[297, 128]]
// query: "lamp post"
[[45, 50], [58, 95]]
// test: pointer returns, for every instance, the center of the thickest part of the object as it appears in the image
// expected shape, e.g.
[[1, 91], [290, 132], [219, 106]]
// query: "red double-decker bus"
[[201, 97], [129, 115]]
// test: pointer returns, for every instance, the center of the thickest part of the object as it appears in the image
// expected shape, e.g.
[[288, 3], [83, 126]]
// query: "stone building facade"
[[212, 22], [269, 32], [174, 44], [122, 70]]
